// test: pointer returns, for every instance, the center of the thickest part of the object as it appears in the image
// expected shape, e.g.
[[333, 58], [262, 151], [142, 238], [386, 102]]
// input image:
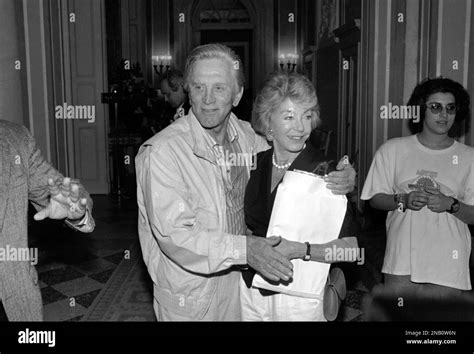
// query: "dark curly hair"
[[426, 88]]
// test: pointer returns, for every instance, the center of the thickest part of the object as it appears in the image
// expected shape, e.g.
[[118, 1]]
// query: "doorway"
[[240, 41]]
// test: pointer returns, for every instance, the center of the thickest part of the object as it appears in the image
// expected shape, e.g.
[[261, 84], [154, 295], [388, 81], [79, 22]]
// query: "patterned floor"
[[74, 268], [69, 289]]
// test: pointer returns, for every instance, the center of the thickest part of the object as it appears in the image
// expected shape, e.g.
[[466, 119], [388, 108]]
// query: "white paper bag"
[[305, 211]]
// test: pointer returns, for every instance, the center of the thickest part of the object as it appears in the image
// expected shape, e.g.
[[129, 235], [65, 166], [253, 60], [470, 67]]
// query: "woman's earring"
[[270, 135]]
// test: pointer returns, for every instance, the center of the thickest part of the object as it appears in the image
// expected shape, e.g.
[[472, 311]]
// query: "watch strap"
[[454, 206], [400, 201], [307, 256]]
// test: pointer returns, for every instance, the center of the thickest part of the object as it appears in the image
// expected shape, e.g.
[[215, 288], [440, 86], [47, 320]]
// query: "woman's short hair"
[[428, 87], [277, 87], [215, 51]]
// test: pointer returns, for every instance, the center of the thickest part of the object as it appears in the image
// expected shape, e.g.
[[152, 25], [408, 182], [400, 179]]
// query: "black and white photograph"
[[237, 166]]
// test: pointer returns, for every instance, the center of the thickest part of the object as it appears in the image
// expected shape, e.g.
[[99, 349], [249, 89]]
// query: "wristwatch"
[[454, 207], [307, 256], [400, 200]]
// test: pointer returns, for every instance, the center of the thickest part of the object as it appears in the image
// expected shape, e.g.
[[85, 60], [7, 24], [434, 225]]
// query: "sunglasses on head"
[[437, 108]]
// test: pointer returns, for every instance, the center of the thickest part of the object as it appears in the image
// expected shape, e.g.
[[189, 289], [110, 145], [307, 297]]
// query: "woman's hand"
[[437, 201], [290, 249], [416, 200], [342, 181]]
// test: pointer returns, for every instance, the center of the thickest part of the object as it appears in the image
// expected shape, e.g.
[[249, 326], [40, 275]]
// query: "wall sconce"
[[163, 60], [290, 61]]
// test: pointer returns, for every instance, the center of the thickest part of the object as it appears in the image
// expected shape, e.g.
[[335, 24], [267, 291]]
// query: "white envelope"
[[305, 210]]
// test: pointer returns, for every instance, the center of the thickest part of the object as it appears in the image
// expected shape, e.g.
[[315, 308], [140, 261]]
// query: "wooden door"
[[84, 55]]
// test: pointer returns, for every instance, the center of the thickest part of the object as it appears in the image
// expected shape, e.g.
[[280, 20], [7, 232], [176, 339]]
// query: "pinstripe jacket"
[[23, 177]]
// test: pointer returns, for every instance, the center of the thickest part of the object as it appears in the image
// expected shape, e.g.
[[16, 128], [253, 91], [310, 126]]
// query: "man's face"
[[175, 98], [212, 91]]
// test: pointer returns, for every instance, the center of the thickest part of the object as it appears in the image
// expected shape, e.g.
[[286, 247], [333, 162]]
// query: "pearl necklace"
[[280, 167]]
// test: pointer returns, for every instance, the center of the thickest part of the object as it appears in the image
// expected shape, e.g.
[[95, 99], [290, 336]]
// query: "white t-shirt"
[[431, 247]]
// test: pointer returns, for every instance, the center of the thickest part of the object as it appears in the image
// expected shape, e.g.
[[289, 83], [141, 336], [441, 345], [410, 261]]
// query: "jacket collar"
[[203, 143]]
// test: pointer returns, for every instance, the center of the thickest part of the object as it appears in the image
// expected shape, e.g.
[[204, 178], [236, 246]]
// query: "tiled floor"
[[74, 267]]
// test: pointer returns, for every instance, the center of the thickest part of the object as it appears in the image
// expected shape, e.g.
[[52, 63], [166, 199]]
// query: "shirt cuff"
[[240, 250]]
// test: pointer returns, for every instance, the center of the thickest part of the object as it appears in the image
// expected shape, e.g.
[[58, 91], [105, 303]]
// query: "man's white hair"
[[215, 51]]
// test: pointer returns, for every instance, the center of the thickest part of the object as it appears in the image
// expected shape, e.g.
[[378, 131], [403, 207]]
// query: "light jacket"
[[182, 214]]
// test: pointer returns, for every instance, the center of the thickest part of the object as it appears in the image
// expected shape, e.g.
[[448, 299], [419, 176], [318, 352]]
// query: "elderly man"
[[191, 222], [26, 176]]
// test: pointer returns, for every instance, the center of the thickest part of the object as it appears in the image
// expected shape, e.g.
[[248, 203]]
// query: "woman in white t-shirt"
[[426, 183]]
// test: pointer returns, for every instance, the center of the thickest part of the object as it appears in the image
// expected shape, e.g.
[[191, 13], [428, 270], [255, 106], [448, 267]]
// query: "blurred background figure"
[[171, 87]]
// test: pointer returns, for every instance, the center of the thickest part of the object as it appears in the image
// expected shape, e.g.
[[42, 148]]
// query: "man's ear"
[[237, 97]]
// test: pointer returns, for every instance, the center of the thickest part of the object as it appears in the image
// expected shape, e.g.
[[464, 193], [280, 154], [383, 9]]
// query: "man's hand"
[[342, 181], [437, 201], [64, 202], [291, 249], [262, 257]]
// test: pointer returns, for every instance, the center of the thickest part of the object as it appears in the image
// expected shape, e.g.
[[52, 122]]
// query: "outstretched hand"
[[262, 257], [64, 202]]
